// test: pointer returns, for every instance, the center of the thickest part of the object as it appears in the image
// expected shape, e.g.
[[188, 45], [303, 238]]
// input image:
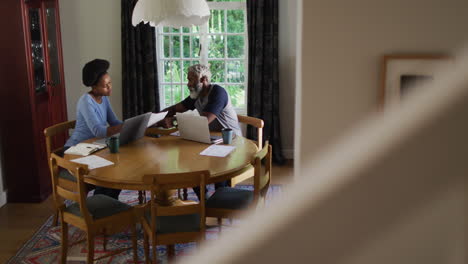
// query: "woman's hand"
[[113, 130]]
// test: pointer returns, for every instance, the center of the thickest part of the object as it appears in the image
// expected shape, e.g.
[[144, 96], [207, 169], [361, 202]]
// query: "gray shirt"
[[217, 101]]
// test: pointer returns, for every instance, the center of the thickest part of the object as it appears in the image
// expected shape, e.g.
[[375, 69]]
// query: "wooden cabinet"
[[32, 94]]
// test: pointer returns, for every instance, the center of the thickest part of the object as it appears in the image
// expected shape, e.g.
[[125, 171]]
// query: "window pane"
[[216, 49], [166, 47], [177, 68], [185, 92], [195, 29], [216, 22], [166, 29], [195, 46], [235, 46], [235, 20], [186, 46], [177, 93], [167, 71], [235, 72], [186, 66], [175, 30], [186, 29], [176, 46], [237, 95], [217, 71], [167, 95]]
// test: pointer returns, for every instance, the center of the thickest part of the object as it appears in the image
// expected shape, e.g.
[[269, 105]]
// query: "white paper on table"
[[217, 151], [176, 134], [93, 162], [156, 117]]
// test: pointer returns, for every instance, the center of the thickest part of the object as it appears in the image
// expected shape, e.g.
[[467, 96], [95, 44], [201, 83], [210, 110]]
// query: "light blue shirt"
[[92, 119]]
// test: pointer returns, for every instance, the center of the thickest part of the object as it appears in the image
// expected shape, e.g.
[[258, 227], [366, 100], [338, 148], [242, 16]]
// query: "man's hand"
[[166, 122]]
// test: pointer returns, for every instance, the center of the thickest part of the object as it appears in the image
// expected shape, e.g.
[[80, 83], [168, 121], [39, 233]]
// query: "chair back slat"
[[59, 128], [67, 194], [178, 210], [255, 122]]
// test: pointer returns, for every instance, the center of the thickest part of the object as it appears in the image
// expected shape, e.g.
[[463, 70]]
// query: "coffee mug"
[[113, 144], [227, 135]]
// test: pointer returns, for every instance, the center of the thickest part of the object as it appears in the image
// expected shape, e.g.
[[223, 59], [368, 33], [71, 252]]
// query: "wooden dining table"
[[167, 154]]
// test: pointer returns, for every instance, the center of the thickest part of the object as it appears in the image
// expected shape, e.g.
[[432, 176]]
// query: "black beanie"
[[93, 70]]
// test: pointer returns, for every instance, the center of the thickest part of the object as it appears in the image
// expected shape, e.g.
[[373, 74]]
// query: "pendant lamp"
[[172, 13]]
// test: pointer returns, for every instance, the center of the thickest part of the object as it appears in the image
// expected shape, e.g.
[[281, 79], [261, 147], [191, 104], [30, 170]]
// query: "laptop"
[[132, 129], [195, 128]]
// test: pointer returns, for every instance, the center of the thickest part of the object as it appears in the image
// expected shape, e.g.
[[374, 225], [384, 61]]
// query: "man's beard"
[[195, 91]]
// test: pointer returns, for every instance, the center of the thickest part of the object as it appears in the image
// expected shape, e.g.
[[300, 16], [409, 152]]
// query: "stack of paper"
[[84, 149], [217, 151]]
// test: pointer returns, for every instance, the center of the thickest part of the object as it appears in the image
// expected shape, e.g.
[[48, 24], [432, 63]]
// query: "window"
[[221, 43]]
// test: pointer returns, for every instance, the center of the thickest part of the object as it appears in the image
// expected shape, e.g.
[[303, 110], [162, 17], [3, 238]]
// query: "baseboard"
[[3, 198], [288, 153]]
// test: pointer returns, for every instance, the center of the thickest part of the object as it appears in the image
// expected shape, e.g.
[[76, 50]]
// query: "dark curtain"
[[263, 85], [140, 91]]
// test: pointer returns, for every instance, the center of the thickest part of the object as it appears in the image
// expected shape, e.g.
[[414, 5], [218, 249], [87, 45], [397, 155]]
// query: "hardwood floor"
[[19, 221]]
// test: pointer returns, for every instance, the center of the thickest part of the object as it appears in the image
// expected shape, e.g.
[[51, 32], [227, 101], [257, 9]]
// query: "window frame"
[[203, 57]]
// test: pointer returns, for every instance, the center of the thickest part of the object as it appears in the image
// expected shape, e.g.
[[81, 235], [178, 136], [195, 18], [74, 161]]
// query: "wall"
[[287, 69], [343, 42], [90, 29]]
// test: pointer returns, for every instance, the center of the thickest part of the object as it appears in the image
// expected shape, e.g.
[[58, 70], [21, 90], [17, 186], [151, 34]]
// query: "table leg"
[[170, 252], [166, 197], [141, 197]]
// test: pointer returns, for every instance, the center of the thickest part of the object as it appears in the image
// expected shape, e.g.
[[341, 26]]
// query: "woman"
[[94, 112]]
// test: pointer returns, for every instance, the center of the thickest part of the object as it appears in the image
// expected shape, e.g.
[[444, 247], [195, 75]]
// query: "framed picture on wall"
[[402, 73]]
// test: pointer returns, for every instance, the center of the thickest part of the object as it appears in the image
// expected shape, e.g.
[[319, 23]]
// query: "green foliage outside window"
[[226, 55]]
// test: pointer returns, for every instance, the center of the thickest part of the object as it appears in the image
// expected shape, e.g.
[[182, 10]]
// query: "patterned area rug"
[[44, 246]]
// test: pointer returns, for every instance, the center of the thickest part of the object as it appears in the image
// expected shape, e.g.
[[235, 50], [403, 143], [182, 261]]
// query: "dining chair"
[[94, 215], [227, 202], [51, 135], [159, 131], [248, 171], [181, 222]]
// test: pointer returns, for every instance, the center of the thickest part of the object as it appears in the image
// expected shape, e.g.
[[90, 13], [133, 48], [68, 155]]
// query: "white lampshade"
[[172, 13]]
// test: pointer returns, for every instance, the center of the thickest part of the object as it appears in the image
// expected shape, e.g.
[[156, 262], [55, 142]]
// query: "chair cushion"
[[175, 223], [230, 198], [65, 174], [100, 206]]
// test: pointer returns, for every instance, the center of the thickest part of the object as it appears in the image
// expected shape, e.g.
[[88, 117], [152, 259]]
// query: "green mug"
[[113, 144], [227, 135]]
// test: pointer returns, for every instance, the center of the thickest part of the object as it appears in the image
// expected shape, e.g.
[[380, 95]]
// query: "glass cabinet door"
[[37, 50], [52, 47]]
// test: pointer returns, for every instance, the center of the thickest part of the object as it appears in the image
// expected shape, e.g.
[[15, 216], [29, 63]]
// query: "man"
[[210, 100]]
